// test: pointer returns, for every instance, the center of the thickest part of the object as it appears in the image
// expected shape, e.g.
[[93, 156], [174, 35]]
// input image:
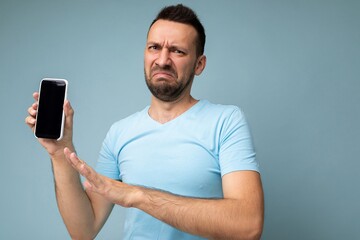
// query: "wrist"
[[139, 197], [59, 152], [148, 199]]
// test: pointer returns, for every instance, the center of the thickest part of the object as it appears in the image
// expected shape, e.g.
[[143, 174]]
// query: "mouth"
[[162, 74]]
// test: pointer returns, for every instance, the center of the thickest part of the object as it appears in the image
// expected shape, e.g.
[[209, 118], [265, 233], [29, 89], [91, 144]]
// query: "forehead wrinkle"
[[165, 33], [166, 44]]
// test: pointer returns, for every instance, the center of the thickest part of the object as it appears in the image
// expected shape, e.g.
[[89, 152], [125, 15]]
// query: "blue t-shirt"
[[187, 156]]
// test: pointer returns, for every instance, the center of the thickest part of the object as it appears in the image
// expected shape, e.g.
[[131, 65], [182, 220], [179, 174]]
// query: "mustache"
[[167, 69]]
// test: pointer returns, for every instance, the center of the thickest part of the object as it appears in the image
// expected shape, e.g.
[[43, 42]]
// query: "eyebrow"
[[152, 43], [172, 46]]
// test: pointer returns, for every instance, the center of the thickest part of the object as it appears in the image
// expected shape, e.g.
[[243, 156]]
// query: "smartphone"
[[50, 113]]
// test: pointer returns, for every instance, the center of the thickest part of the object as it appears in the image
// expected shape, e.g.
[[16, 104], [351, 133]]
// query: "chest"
[[180, 162]]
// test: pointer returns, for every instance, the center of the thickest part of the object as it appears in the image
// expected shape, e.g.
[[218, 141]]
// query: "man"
[[183, 168]]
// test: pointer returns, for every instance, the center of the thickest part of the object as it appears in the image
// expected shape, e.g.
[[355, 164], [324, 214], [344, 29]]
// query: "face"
[[170, 61]]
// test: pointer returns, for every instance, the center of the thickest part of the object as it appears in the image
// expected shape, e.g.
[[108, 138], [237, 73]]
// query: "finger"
[[69, 111], [92, 177], [86, 171], [36, 96], [69, 115], [30, 121], [67, 154], [94, 180], [88, 186], [35, 105], [32, 110]]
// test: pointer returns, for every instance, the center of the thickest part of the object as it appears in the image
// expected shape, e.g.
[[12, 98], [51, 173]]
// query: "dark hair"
[[182, 14]]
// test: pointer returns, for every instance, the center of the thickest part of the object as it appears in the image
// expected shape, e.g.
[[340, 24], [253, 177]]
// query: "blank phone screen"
[[50, 109]]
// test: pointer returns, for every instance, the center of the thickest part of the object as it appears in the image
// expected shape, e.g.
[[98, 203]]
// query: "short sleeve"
[[236, 147], [107, 163]]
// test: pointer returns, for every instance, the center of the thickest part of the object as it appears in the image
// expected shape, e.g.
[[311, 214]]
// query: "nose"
[[163, 59]]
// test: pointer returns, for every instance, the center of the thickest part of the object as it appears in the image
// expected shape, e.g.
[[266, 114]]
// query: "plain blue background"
[[292, 66]]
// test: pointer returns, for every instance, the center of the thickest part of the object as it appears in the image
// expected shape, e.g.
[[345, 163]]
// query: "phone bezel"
[[63, 114]]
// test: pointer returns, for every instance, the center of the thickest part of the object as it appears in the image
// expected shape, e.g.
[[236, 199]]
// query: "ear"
[[200, 65]]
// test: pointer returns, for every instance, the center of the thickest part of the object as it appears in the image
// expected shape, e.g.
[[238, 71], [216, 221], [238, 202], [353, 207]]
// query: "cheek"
[[182, 66], [147, 66], [187, 70], [148, 59]]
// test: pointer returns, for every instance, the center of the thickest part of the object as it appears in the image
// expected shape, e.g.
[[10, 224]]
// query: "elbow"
[[249, 231], [252, 232], [249, 234], [73, 237], [81, 236], [82, 231]]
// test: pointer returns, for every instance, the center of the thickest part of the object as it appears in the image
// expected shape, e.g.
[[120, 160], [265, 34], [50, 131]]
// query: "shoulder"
[[226, 119], [207, 105], [220, 111]]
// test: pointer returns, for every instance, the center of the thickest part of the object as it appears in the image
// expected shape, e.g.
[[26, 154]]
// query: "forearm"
[[73, 202], [210, 218], [238, 216]]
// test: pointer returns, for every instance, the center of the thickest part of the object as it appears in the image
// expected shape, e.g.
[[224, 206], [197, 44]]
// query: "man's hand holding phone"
[[53, 140]]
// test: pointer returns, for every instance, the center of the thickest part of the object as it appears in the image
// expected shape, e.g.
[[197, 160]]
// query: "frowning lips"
[[168, 72]]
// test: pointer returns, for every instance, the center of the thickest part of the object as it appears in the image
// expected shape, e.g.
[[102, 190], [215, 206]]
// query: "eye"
[[153, 47], [179, 51]]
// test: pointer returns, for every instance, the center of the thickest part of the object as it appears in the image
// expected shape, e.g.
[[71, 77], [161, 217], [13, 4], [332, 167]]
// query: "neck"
[[164, 112]]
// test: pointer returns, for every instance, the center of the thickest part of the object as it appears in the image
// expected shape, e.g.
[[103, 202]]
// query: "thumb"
[[69, 113], [88, 186]]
